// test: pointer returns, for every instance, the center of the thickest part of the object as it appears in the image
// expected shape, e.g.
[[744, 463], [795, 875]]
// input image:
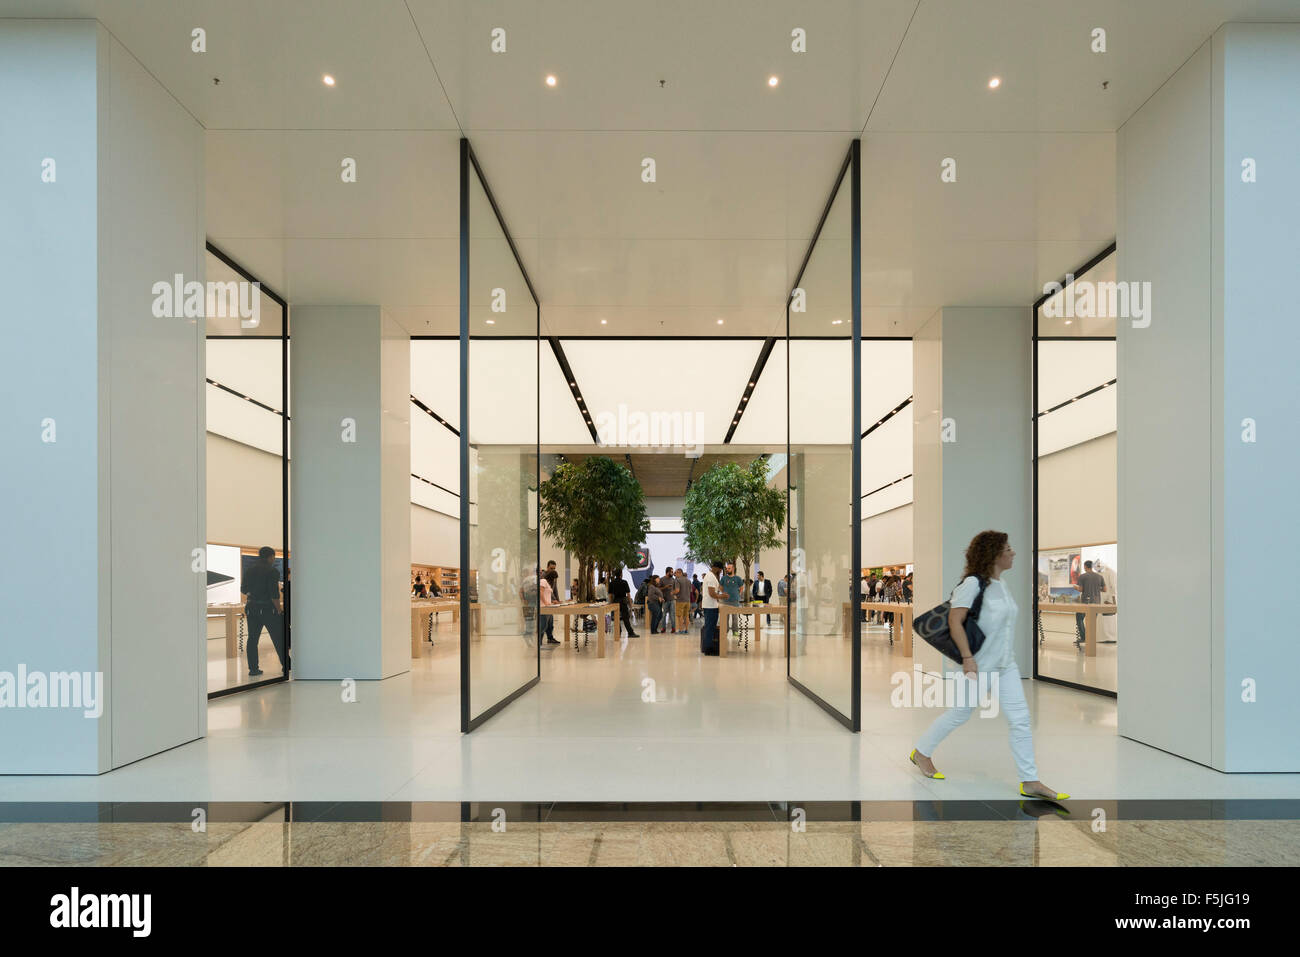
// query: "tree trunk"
[[744, 589]]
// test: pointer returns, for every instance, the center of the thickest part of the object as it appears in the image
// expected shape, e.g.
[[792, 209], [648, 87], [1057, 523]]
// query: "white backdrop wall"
[[435, 537], [244, 494], [1077, 491], [887, 537]]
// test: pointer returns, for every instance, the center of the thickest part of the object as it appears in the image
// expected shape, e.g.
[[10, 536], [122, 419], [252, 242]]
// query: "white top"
[[710, 581], [997, 619], [602, 593]]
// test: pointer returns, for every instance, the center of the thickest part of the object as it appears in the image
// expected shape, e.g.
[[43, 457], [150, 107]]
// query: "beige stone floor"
[[1046, 842]]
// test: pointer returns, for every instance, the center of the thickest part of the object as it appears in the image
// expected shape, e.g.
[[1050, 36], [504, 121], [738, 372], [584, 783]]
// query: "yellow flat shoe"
[[937, 776], [1060, 795]]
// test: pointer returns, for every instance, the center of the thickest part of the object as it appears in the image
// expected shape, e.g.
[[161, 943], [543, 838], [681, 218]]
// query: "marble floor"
[[1044, 842], [713, 729]]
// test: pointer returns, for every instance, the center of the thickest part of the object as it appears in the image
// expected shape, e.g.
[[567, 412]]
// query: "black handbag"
[[932, 627]]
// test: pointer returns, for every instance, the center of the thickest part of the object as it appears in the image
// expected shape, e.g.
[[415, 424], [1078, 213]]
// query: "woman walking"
[[987, 557]]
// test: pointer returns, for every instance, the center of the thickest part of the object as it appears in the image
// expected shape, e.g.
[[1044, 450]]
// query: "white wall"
[[1077, 495], [351, 533], [887, 537], [118, 497], [1257, 339], [973, 366], [435, 538], [1165, 452], [244, 494]]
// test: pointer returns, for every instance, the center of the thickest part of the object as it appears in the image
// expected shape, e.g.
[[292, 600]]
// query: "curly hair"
[[982, 552]]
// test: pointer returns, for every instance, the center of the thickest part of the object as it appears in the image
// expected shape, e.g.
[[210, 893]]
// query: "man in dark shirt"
[[263, 606], [619, 591], [1090, 586]]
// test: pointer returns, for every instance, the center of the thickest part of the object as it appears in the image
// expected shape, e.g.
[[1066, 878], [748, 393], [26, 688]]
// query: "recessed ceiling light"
[[550, 79], [837, 322], [773, 81], [719, 322], [1069, 321], [995, 82], [604, 322], [491, 322], [327, 80]]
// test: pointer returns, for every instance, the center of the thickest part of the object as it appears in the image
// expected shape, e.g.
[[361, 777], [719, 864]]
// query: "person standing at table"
[[1090, 586], [732, 584], [709, 600], [546, 622], [763, 592]]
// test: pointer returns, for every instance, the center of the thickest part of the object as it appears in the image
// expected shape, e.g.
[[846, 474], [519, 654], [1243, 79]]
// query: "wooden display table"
[[599, 609], [725, 613], [231, 613], [421, 609], [902, 618], [1090, 612]]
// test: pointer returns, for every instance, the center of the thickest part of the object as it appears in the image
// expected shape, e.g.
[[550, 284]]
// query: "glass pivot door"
[[499, 541]]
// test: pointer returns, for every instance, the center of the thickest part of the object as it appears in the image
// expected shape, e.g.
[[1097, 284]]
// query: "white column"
[[101, 180], [971, 454], [1209, 422], [350, 493]]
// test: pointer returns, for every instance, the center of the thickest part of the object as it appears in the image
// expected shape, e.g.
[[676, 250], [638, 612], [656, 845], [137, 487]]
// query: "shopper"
[[1090, 586], [763, 592], [419, 590], [620, 591], [731, 584], [683, 601], [695, 596], [263, 607], [987, 557], [545, 622], [712, 593], [864, 591], [668, 585], [655, 601]]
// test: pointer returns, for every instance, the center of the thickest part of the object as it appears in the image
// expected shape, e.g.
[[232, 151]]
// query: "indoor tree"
[[596, 510], [730, 512]]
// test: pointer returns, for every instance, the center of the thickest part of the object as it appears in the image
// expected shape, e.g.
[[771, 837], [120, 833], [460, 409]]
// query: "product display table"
[[422, 609], [724, 621], [901, 611], [231, 613], [1089, 612], [598, 609]]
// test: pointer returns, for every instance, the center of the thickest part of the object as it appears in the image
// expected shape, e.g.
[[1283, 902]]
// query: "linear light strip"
[[763, 355], [434, 415], [1081, 395], [226, 388], [887, 416]]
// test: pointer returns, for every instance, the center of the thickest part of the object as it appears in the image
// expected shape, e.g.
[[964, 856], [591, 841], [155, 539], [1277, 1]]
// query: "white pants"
[[1011, 700]]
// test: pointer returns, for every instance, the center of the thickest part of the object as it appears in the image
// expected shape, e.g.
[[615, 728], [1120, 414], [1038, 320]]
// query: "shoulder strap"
[[978, 603]]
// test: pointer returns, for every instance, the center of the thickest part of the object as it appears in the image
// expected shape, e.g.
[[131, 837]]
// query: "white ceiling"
[[743, 169]]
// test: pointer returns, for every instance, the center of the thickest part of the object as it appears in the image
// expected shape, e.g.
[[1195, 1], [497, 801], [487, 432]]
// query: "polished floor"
[[775, 834], [714, 729]]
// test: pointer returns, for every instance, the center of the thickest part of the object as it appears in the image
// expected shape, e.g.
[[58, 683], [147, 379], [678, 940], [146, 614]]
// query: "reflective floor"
[[1024, 836], [714, 729]]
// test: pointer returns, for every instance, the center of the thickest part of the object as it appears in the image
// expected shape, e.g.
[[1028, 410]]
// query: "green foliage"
[[596, 510], [730, 512]]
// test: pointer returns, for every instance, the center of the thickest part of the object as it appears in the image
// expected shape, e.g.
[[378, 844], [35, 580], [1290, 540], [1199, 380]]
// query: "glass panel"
[[247, 598], [1089, 305], [1077, 560], [821, 529], [501, 576]]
